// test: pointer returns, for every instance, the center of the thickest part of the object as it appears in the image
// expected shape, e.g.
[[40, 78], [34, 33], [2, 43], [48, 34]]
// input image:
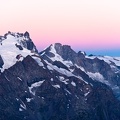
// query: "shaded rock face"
[[54, 97], [26, 42], [81, 64], [1, 62], [90, 65], [65, 51], [98, 66], [30, 45], [26, 34], [60, 65], [19, 47], [95, 65]]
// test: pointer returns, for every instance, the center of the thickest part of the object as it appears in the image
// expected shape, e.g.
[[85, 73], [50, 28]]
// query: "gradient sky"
[[88, 25]]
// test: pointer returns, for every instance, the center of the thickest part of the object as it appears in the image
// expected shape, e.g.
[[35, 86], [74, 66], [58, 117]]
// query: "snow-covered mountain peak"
[[65, 51], [14, 47], [23, 39], [99, 68], [57, 48]]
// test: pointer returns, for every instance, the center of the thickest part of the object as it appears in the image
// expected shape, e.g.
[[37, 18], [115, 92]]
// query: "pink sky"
[[83, 24]]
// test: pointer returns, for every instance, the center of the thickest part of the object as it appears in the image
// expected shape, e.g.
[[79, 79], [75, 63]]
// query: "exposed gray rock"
[[1, 62], [94, 66]]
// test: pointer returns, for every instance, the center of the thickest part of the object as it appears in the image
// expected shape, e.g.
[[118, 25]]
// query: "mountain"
[[104, 69], [14, 47], [55, 84]]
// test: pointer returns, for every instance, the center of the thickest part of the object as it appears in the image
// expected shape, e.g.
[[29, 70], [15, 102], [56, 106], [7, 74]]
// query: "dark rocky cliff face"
[[1, 62], [28, 43], [95, 68], [57, 97]]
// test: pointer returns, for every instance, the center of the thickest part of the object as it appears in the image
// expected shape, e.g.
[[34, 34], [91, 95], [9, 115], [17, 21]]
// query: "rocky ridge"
[[53, 85]]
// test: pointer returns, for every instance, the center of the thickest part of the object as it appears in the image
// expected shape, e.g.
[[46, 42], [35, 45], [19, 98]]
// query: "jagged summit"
[[14, 46], [22, 39], [65, 51], [99, 68]]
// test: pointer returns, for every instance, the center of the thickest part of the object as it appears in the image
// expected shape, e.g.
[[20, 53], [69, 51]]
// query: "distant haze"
[[89, 25]]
